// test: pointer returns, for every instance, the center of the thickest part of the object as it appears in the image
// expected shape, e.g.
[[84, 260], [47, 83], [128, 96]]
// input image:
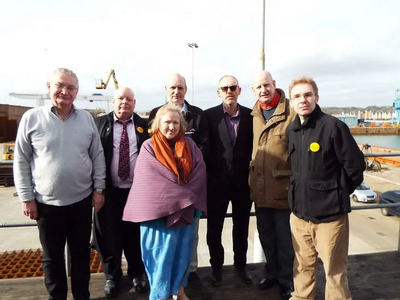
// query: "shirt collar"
[[232, 116], [53, 109], [116, 119], [184, 108]]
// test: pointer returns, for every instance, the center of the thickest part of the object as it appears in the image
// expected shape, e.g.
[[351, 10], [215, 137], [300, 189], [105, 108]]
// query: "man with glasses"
[[327, 166], [196, 129], [230, 144], [269, 182], [59, 173], [122, 133]]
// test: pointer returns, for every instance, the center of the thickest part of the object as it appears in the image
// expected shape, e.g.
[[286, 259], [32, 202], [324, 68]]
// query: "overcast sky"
[[350, 47]]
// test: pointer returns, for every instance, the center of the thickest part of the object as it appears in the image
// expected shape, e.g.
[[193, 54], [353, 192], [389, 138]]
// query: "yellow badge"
[[314, 147], [140, 129]]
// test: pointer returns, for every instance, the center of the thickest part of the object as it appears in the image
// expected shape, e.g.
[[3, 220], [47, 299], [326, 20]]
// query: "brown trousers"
[[331, 242]]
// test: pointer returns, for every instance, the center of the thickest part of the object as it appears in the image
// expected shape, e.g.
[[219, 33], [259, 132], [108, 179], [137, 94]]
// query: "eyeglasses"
[[70, 88], [225, 89], [306, 97]]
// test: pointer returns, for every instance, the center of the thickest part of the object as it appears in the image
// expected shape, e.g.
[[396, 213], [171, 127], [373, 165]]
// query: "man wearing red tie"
[[122, 133]]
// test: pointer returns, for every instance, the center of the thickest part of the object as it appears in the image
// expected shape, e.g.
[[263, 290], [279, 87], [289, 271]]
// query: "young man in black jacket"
[[327, 166]]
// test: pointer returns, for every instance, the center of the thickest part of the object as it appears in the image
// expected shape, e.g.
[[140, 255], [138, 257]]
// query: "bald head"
[[123, 103], [176, 89], [262, 75], [264, 87], [123, 90]]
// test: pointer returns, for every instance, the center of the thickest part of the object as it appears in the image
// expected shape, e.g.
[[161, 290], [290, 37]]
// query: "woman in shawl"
[[168, 192]]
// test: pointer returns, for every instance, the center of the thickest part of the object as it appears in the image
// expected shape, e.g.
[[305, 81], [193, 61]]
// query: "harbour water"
[[390, 141]]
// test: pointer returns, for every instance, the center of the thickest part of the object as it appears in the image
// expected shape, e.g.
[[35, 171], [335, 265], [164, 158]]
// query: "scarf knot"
[[272, 104], [179, 161]]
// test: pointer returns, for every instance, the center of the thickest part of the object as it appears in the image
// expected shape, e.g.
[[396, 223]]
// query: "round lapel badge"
[[140, 129], [314, 147]]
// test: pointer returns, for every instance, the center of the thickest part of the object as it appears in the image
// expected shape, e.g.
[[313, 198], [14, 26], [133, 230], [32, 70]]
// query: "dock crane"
[[101, 85], [41, 99]]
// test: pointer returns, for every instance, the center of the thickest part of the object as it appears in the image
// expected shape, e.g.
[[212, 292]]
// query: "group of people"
[[149, 181]]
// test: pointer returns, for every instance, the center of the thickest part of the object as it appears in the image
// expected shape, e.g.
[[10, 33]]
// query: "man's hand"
[[30, 209], [97, 201]]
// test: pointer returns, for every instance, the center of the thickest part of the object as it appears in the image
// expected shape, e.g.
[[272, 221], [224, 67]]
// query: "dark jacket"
[[105, 126], [327, 166], [196, 126], [228, 164]]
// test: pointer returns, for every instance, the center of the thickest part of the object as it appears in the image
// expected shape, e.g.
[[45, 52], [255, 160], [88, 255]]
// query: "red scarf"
[[273, 103]]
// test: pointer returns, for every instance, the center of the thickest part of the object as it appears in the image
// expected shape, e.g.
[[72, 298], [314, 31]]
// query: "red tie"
[[124, 166]]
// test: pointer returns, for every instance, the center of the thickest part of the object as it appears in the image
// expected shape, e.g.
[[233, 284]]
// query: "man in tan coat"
[[269, 181]]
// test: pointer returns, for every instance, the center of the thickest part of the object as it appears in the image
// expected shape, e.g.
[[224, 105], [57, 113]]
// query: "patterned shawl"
[[156, 193]]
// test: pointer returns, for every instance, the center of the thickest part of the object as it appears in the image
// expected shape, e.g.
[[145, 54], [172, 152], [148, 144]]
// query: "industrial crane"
[[42, 98], [100, 84]]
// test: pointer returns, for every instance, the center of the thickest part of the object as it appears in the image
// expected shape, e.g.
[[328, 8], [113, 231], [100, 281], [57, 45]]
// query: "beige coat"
[[270, 166]]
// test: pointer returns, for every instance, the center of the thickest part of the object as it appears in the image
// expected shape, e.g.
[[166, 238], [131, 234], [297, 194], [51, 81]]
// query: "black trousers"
[[112, 236], [58, 225], [217, 205], [276, 240]]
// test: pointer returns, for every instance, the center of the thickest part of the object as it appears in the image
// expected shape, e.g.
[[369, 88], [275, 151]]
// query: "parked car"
[[390, 197], [363, 194]]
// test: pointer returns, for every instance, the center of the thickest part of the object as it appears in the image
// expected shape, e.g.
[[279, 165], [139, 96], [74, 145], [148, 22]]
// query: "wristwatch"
[[100, 191]]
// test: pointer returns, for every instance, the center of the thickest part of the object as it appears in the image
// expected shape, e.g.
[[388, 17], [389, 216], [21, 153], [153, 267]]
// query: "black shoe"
[[194, 280], [216, 277], [266, 283], [140, 283], [111, 288], [286, 290], [245, 275]]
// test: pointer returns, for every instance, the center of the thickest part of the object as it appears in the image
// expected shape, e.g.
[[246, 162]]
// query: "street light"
[[193, 46], [263, 38]]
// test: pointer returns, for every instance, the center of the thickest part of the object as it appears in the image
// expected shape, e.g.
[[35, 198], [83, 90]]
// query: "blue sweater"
[[57, 162]]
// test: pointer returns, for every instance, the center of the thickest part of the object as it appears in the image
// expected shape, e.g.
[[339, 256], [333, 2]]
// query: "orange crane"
[[100, 84]]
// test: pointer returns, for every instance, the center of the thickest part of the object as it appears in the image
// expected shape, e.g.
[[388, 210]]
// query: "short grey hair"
[[67, 72], [231, 76]]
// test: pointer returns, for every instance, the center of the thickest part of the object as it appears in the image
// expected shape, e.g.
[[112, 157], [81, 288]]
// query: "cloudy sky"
[[350, 47]]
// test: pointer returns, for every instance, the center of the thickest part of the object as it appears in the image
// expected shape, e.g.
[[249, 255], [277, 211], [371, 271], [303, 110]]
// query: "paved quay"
[[371, 277]]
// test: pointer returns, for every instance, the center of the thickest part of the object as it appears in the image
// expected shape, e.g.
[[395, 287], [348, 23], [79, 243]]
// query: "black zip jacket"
[[327, 166]]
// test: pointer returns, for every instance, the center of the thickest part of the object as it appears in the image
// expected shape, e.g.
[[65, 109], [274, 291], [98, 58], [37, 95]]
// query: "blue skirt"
[[166, 254]]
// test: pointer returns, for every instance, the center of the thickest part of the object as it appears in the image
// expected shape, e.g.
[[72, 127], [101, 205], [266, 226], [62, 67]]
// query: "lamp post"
[[193, 46], [263, 38]]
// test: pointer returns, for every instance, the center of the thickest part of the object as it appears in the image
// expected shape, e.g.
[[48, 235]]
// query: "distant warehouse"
[[350, 120]]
